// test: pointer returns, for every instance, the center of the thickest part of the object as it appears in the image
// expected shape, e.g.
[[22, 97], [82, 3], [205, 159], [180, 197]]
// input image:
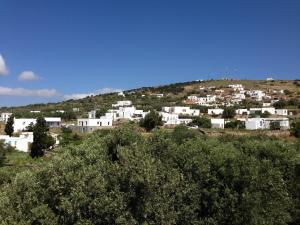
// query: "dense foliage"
[[151, 120], [202, 122], [67, 137], [295, 130], [235, 124], [179, 177], [41, 139], [229, 112]]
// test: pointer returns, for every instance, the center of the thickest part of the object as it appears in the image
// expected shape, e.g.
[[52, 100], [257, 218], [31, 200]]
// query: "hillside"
[[174, 94]]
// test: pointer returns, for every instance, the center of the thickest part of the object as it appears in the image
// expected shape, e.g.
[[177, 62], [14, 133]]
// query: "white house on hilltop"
[[5, 117], [217, 123], [242, 112], [281, 112], [173, 119], [204, 101], [215, 111], [129, 112], [264, 123], [181, 110], [256, 94], [22, 123], [122, 103]]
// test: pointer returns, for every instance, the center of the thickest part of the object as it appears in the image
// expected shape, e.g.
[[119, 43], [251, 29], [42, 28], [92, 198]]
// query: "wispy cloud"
[[3, 67], [28, 76], [98, 92], [22, 92]]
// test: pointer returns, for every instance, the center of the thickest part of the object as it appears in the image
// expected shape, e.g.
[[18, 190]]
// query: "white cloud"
[[98, 92], [3, 67], [22, 92], [28, 76]]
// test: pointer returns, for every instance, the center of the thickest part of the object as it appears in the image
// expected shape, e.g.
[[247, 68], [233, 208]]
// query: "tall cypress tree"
[[40, 138], [9, 126]]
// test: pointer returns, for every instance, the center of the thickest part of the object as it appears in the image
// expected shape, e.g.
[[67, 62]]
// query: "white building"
[[267, 104], [159, 95], [121, 93], [130, 113], [242, 112], [89, 125], [53, 121], [60, 111], [22, 123], [181, 110], [281, 112], [215, 111], [264, 123], [203, 101], [122, 103], [270, 110], [217, 123], [236, 87], [35, 111], [5, 117], [239, 96], [92, 114], [100, 122], [173, 119], [256, 94], [21, 143]]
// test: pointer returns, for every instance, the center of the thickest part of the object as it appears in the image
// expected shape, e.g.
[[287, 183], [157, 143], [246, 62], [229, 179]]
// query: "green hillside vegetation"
[[182, 176]]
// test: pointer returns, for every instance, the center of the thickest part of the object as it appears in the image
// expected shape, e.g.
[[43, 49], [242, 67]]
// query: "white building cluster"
[[173, 115], [203, 101], [271, 110], [122, 110]]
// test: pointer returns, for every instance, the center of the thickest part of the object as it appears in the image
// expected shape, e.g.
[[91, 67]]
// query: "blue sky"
[[51, 49]]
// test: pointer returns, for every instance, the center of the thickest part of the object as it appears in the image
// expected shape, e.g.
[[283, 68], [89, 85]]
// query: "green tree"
[[235, 124], [41, 139], [2, 153], [182, 133], [68, 137], [100, 112], [202, 122], [229, 112], [30, 127], [9, 126], [295, 129], [151, 120], [265, 114], [154, 180], [280, 104]]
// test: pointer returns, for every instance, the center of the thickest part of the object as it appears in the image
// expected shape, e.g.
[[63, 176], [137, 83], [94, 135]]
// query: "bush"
[[295, 130], [229, 112], [202, 122], [151, 120], [153, 180], [235, 124]]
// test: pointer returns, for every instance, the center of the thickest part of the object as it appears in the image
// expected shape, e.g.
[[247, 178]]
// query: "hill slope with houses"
[[175, 94]]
